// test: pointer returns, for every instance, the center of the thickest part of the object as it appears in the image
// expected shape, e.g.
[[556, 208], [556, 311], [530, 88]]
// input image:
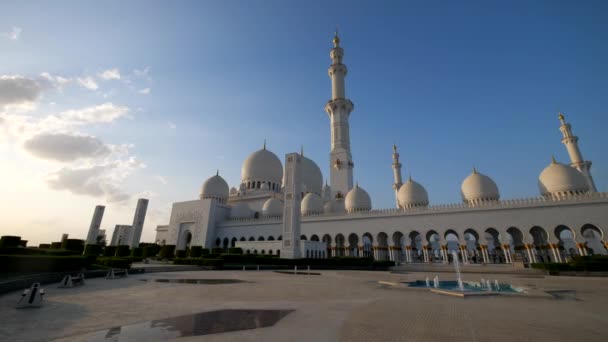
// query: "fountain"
[[436, 282], [482, 283], [488, 285], [496, 285], [457, 268], [428, 283]]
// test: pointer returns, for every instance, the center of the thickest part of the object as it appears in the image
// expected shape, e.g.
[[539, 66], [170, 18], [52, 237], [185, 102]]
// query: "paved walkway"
[[335, 306]]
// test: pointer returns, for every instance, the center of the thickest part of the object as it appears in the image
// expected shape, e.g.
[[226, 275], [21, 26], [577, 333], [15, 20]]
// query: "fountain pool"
[[452, 285]]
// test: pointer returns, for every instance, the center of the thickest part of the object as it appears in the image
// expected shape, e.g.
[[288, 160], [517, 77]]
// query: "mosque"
[[289, 212]]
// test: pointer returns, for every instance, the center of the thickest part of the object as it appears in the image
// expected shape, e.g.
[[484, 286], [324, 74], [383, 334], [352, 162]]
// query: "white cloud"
[[171, 125], [143, 74], [18, 90], [161, 179], [103, 113], [144, 91], [55, 80], [110, 74], [88, 82], [65, 147], [14, 34], [97, 181]]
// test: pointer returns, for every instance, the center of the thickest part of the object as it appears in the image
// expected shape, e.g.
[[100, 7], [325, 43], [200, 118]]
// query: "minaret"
[[576, 157], [396, 174], [338, 109]]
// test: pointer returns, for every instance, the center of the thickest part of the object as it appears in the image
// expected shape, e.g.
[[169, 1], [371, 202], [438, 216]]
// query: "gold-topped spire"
[[394, 148], [561, 117], [474, 169], [302, 150], [336, 38], [264, 143], [218, 172], [553, 160]]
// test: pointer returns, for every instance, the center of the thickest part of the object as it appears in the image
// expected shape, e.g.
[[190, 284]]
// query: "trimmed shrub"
[[167, 252], [235, 250], [56, 245], [44, 245], [73, 245], [150, 251], [92, 250], [123, 251], [115, 262], [42, 263], [217, 250], [23, 243], [206, 251], [10, 241], [137, 252], [180, 254], [109, 251], [195, 251]]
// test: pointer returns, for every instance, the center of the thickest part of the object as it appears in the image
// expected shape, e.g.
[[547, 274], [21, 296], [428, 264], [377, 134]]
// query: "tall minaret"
[[338, 109], [396, 174], [576, 157]]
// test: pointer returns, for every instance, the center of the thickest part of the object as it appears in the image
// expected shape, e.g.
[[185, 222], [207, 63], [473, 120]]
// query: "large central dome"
[[262, 166]]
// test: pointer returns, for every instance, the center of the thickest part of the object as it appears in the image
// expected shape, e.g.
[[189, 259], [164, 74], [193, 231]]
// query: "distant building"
[[121, 235], [569, 217]]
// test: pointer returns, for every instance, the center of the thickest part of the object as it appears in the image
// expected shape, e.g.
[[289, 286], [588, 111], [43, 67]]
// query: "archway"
[[353, 245], [226, 243], [367, 240], [415, 247], [381, 248], [340, 245], [540, 240], [494, 250], [594, 238], [396, 249], [452, 241], [327, 240], [242, 238], [251, 238], [434, 240], [260, 238], [271, 238], [314, 237], [566, 242], [471, 238], [303, 237], [233, 242], [517, 245]]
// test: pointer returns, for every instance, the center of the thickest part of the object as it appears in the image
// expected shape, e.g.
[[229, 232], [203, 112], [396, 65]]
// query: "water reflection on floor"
[[202, 323], [197, 281]]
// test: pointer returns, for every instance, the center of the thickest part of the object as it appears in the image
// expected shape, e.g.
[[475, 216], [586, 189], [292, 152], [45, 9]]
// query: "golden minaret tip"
[[336, 39]]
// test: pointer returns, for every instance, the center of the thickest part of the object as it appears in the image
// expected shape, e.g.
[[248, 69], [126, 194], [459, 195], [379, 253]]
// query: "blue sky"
[[201, 84]]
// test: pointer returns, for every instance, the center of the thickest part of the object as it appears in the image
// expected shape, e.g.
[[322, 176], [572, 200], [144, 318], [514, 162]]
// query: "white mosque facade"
[[288, 211]]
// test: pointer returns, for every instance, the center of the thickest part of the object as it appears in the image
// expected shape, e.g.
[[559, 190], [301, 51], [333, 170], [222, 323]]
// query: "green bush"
[[150, 250], [10, 241], [42, 263], [123, 251], [137, 252], [44, 245], [235, 250], [92, 250], [206, 251], [195, 251], [109, 251], [115, 262], [36, 251], [180, 254], [73, 245], [167, 252], [217, 250], [56, 245]]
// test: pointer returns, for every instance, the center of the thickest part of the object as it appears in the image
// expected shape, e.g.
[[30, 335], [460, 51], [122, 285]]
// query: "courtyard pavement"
[[333, 306]]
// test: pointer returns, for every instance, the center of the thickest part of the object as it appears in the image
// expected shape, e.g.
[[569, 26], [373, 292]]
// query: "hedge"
[[56, 245], [92, 249], [217, 250], [195, 251], [10, 241], [109, 251], [137, 252], [42, 263], [44, 245], [36, 251], [150, 250], [123, 251], [597, 263], [235, 250], [115, 262], [180, 254], [73, 245], [167, 251], [206, 251]]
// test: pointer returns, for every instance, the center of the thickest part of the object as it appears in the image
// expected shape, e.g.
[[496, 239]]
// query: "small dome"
[[241, 211], [478, 187], [312, 178], [357, 199], [262, 166], [215, 188], [334, 206], [559, 178], [233, 191], [412, 194], [272, 207], [311, 204]]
